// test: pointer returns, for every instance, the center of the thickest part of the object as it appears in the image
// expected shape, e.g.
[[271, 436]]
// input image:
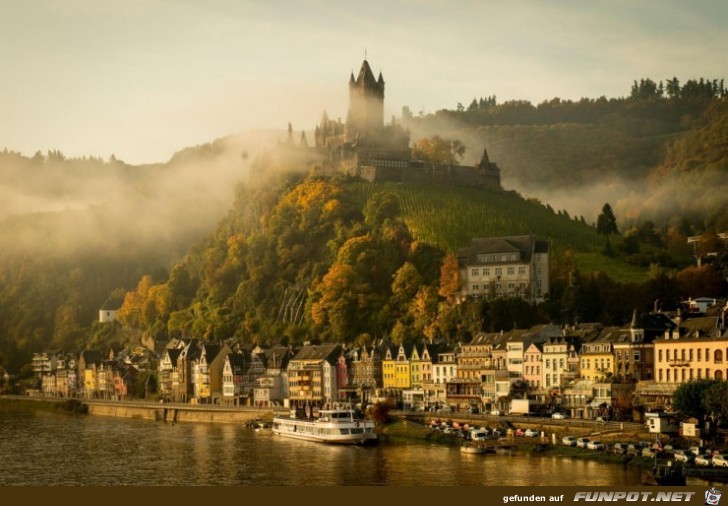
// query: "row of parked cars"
[[583, 442], [700, 458], [467, 432], [647, 449]]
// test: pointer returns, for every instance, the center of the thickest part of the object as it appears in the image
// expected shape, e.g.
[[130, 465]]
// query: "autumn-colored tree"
[[449, 277], [130, 313], [424, 311], [439, 151]]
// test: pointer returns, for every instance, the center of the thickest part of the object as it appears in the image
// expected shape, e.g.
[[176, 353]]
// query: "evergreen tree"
[[607, 222]]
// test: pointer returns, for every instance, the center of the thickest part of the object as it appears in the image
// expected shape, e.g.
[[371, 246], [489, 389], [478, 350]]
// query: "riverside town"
[[363, 289]]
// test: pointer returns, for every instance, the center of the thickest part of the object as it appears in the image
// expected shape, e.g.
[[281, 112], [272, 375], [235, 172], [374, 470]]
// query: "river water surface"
[[47, 448]]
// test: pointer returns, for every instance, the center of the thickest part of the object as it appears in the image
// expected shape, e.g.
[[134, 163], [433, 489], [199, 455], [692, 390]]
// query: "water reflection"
[[55, 449]]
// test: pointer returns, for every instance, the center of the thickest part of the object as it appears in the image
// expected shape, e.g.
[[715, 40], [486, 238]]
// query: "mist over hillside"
[[628, 152], [56, 205]]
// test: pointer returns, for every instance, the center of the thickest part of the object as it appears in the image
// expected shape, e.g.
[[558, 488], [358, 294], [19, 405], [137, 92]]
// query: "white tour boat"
[[338, 426]]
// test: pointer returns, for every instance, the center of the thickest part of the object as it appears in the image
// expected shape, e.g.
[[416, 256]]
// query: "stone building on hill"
[[515, 266], [366, 147]]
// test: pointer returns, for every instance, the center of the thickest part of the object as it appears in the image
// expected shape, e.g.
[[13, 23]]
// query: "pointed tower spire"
[[633, 325]]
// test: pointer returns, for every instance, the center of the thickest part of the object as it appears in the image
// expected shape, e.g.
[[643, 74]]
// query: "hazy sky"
[[142, 79]]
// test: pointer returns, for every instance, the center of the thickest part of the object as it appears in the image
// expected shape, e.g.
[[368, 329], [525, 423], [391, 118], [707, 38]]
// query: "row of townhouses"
[[586, 370]]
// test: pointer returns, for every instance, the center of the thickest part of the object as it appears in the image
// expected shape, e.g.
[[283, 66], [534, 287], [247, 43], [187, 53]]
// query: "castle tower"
[[366, 104]]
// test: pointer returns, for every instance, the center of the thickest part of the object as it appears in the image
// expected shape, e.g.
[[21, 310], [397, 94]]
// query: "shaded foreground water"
[[47, 448]]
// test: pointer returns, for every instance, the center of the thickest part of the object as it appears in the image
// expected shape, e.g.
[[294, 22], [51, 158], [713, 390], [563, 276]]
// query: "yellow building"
[[696, 350], [402, 368], [596, 359]]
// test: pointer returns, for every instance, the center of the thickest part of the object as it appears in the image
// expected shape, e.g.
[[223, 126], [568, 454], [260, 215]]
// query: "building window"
[[486, 271], [476, 288], [498, 271], [637, 356], [511, 271], [700, 356], [522, 270], [474, 272]]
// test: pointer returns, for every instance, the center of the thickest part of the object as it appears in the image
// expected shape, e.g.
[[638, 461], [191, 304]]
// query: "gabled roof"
[[238, 361], [612, 335], [537, 345], [328, 352], [277, 356], [174, 354], [211, 351], [526, 245], [700, 327]]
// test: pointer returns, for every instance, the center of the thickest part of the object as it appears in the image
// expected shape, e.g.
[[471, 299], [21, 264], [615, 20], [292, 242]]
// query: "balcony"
[[678, 362]]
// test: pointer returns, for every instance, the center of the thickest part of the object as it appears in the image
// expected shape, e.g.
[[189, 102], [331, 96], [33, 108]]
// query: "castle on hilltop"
[[365, 146]]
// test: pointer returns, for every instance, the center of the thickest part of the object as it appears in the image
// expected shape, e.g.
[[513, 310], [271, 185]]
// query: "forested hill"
[[326, 259], [573, 153]]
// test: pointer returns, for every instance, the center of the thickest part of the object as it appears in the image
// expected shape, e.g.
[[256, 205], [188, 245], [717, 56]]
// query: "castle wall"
[[455, 175]]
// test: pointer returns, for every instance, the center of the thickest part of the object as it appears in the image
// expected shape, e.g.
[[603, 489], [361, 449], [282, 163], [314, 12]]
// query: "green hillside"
[[449, 218]]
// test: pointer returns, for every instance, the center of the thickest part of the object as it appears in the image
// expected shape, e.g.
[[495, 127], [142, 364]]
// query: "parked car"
[[648, 452], [518, 432], [719, 460], [601, 420], [497, 432], [595, 445], [531, 433], [702, 460], [568, 441], [632, 449], [619, 448], [695, 450], [582, 442], [496, 412], [682, 456], [558, 416]]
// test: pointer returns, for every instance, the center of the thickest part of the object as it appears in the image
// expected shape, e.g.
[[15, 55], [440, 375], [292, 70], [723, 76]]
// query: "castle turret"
[[366, 103]]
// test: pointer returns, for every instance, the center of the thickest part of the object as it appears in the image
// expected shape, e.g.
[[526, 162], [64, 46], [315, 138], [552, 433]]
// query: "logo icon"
[[712, 497]]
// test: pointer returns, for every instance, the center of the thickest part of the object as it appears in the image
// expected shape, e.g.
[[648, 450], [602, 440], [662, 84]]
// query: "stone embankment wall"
[[179, 414]]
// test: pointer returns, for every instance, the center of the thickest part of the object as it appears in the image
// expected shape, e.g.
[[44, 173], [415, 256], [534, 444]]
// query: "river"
[[48, 448]]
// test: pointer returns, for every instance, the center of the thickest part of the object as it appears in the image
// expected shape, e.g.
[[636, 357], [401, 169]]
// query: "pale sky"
[[144, 78]]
